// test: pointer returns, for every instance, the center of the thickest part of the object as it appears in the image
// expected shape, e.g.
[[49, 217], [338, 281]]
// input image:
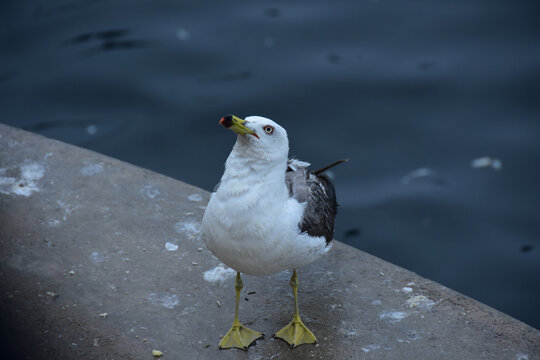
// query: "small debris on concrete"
[[218, 303], [370, 347], [195, 197], [166, 299], [218, 274], [251, 292], [170, 246], [393, 316], [200, 249], [420, 302], [103, 315], [72, 273], [194, 263], [157, 353]]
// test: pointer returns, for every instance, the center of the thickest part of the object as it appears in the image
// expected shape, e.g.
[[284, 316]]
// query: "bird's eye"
[[268, 129]]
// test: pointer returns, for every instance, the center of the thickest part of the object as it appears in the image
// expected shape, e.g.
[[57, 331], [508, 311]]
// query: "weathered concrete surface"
[[83, 235]]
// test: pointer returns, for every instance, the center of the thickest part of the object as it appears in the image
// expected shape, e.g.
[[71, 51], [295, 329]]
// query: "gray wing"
[[317, 191]]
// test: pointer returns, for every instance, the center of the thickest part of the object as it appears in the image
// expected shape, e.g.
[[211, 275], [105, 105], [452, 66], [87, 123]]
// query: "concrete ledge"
[[102, 260]]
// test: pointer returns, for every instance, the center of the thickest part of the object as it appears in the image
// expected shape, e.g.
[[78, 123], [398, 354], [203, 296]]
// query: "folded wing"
[[317, 191]]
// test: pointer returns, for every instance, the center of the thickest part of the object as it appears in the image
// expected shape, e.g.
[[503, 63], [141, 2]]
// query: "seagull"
[[268, 214]]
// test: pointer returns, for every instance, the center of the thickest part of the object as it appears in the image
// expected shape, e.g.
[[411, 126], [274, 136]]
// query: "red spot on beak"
[[257, 136], [226, 121]]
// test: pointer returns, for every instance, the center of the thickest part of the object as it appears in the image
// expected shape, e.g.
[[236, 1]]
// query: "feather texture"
[[318, 192]]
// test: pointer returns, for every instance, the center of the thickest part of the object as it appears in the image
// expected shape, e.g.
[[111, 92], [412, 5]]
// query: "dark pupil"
[[268, 129]]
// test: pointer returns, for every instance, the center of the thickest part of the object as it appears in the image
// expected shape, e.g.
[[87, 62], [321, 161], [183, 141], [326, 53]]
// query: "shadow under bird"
[[268, 214]]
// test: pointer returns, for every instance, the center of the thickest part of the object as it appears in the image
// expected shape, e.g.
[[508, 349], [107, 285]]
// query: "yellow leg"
[[239, 336], [296, 333]]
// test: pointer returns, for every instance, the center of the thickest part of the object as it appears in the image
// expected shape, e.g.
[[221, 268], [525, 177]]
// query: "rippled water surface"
[[411, 91]]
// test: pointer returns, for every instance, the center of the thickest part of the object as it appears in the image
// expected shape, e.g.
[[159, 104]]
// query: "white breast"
[[251, 225]]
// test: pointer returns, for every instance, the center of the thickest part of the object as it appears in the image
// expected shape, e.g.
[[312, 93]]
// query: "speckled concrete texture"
[[103, 260]]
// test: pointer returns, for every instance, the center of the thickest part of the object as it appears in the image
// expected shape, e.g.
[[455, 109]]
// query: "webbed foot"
[[239, 337]]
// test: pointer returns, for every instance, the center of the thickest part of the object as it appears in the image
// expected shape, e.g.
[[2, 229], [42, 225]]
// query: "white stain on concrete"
[[68, 209], [149, 191], [188, 310], [164, 299], [24, 181], [420, 302], [170, 246], [406, 289], [97, 257], [348, 332], [32, 171], [376, 302], [393, 316], [522, 357], [347, 329], [54, 223], [189, 228], [195, 197], [92, 169], [219, 274], [370, 347]]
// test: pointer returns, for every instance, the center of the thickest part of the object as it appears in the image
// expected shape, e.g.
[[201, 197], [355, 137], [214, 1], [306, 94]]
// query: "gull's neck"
[[254, 168], [240, 165]]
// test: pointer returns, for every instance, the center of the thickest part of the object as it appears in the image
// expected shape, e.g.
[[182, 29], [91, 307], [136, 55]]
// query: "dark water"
[[395, 86]]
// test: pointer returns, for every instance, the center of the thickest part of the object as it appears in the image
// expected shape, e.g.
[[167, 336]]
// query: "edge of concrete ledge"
[[97, 236]]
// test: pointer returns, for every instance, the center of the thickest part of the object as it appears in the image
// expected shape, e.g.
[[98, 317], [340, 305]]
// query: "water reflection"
[[108, 40], [101, 35]]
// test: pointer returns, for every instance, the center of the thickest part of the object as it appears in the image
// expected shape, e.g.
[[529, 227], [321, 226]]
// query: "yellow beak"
[[236, 124]]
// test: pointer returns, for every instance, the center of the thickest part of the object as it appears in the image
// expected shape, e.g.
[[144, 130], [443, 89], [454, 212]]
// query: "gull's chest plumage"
[[253, 228]]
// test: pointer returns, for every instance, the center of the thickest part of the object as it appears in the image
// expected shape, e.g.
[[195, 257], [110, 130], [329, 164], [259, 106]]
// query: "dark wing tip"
[[323, 169]]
